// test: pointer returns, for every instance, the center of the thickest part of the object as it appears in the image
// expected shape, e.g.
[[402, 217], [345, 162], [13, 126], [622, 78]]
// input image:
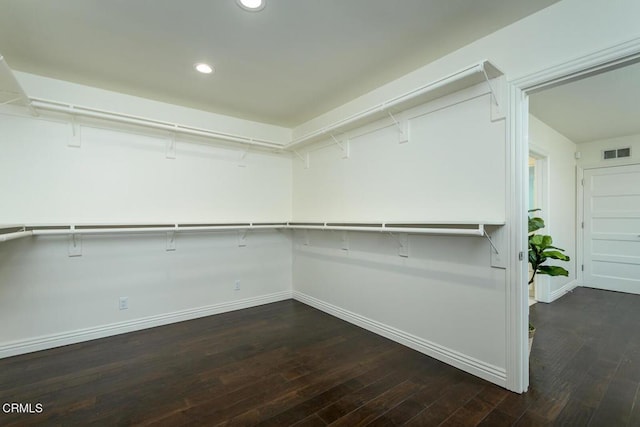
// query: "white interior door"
[[612, 228]]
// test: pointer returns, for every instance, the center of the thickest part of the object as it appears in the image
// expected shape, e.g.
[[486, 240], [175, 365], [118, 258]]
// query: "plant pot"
[[532, 332]]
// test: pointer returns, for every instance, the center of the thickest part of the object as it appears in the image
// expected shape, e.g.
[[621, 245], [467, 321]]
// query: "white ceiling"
[[603, 106], [287, 64]]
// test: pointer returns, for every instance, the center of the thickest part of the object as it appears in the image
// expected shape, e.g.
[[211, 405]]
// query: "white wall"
[[560, 213], [567, 30], [428, 179], [444, 299], [591, 152], [48, 298], [122, 175]]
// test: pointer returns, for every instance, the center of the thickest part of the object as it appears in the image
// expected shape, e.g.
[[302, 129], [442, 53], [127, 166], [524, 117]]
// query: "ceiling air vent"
[[616, 154]]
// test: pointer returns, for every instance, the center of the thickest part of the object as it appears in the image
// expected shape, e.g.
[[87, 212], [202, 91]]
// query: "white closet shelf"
[[11, 232], [10, 90], [76, 110], [467, 77]]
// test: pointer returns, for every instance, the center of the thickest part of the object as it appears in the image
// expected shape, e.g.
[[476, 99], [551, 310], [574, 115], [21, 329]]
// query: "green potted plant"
[[541, 249]]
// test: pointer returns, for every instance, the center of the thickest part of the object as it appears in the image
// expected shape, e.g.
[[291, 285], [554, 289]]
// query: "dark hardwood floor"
[[288, 364]]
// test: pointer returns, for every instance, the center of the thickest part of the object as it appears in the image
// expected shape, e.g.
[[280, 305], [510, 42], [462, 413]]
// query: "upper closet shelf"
[[12, 93], [10, 90], [11, 232], [484, 71], [75, 110], [481, 72]]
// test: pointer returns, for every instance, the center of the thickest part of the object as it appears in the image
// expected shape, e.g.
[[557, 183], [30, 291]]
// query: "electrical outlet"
[[124, 303], [237, 285]]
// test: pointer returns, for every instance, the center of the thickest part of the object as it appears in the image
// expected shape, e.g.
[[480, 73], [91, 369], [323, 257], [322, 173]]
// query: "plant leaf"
[[552, 270], [535, 240], [556, 255], [546, 241], [535, 224]]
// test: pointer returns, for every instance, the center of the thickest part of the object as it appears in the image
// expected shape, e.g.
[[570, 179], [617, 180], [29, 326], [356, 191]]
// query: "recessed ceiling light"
[[251, 5], [203, 68]]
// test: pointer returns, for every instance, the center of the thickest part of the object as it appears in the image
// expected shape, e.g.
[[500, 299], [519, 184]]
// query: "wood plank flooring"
[[288, 364]]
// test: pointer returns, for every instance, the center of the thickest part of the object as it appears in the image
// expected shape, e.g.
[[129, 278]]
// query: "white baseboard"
[[56, 340], [563, 290], [461, 361]]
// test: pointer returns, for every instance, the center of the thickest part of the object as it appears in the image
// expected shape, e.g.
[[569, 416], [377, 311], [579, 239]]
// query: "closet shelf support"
[[490, 241]]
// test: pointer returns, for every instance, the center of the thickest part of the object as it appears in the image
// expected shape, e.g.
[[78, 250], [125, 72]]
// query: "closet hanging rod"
[[137, 229], [483, 70], [460, 229], [382, 228], [76, 110]]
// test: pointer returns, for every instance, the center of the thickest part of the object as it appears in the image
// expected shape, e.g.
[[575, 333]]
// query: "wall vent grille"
[[616, 153]]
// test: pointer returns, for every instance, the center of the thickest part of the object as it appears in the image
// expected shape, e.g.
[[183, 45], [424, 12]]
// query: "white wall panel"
[[452, 169], [120, 176], [45, 293], [444, 294]]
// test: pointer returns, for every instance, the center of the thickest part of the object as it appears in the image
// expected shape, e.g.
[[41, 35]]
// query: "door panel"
[[612, 228]]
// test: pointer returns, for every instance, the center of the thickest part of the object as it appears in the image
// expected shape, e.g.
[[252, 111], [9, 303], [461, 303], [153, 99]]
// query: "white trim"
[[611, 164], [517, 293], [597, 62], [579, 221], [563, 290], [461, 361], [65, 338], [543, 288]]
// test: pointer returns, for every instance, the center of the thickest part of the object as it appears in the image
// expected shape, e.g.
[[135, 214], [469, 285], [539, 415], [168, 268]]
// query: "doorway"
[[519, 91]]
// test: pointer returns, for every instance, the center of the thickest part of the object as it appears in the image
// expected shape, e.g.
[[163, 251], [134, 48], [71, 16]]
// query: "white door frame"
[[518, 150]]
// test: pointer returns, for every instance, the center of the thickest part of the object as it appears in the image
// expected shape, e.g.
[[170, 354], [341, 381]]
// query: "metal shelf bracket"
[[76, 134], [305, 158], [171, 146], [402, 127], [490, 241], [343, 145]]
